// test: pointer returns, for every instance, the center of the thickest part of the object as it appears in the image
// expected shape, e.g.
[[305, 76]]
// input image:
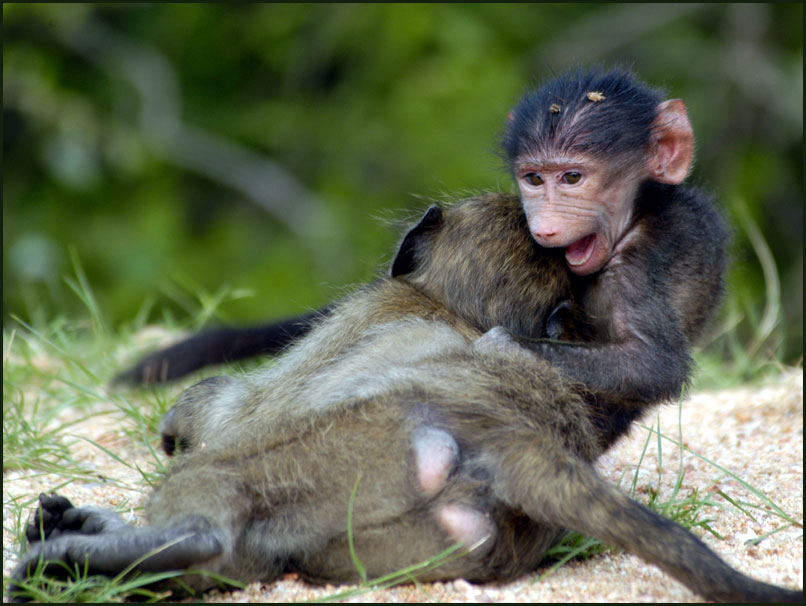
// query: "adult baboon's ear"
[[406, 258]]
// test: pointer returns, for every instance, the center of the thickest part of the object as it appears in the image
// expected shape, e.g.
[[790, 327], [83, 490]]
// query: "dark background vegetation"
[[188, 155]]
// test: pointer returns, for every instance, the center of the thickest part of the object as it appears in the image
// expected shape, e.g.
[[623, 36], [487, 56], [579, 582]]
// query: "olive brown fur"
[[452, 431]]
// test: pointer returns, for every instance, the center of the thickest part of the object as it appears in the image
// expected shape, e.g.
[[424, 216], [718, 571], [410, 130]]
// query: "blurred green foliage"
[[185, 150]]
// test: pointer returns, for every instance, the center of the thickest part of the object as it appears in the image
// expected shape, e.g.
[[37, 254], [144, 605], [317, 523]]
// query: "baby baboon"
[[600, 159], [453, 435]]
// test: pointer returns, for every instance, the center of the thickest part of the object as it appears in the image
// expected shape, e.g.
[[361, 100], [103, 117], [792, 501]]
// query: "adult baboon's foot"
[[56, 516]]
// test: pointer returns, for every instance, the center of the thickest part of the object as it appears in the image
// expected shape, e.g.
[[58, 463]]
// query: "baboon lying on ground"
[[456, 434]]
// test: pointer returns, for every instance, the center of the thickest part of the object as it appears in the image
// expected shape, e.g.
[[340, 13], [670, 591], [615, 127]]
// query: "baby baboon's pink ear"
[[671, 146]]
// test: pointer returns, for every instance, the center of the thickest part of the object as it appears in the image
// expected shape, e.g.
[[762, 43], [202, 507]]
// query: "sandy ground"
[[755, 433]]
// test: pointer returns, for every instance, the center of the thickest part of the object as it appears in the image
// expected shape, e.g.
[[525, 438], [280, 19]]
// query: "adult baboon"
[[456, 435]]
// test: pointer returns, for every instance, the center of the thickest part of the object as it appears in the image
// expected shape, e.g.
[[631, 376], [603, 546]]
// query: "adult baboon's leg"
[[100, 541], [554, 486]]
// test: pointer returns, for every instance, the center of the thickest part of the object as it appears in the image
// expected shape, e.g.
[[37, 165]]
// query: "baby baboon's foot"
[[180, 427], [56, 516]]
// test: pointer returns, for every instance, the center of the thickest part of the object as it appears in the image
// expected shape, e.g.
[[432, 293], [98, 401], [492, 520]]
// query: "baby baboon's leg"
[[555, 487], [218, 346]]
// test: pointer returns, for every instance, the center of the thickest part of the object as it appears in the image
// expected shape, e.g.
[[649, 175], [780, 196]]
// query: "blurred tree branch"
[[255, 176]]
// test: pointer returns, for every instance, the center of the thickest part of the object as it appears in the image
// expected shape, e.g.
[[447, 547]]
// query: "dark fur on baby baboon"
[[599, 159], [218, 346], [456, 434]]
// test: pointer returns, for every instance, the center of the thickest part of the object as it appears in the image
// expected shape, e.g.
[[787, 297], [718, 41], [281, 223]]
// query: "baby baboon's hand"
[[496, 340]]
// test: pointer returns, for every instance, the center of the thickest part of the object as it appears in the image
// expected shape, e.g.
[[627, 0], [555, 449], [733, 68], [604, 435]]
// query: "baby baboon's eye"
[[534, 179], [572, 177]]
